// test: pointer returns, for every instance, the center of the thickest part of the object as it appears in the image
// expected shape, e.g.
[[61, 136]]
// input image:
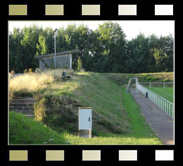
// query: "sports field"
[[166, 92]]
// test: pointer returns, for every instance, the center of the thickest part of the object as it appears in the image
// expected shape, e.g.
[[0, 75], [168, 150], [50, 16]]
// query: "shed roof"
[[58, 53]]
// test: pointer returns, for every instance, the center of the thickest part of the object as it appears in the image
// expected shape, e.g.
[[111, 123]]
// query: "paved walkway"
[[157, 119]]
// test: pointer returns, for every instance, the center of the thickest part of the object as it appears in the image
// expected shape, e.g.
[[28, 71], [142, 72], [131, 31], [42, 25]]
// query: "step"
[[12, 107], [22, 102]]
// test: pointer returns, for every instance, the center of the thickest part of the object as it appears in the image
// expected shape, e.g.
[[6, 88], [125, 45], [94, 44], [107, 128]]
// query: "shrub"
[[25, 71], [165, 80], [151, 78], [79, 64], [39, 110], [30, 70], [145, 75]]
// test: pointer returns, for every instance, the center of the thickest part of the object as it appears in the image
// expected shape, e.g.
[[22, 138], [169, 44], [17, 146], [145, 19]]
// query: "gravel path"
[[157, 119]]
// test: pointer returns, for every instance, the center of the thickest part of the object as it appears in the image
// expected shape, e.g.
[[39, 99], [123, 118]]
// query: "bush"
[[151, 78], [165, 80], [145, 75], [79, 64], [39, 110]]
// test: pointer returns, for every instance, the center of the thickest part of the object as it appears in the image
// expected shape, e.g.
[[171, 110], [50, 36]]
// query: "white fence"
[[163, 84], [161, 102]]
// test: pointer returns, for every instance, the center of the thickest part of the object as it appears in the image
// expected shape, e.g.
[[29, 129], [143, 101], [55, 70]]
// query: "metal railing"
[[164, 84], [161, 102]]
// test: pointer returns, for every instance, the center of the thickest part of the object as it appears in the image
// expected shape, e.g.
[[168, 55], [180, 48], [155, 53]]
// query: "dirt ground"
[[157, 119]]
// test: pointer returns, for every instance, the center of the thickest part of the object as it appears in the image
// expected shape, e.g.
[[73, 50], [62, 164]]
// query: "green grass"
[[166, 92], [24, 130], [140, 131], [116, 116]]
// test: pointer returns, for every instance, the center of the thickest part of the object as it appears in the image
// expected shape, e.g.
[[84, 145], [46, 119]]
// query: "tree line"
[[105, 49]]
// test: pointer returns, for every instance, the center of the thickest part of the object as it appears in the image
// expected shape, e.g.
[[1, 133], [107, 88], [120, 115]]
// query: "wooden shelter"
[[63, 59]]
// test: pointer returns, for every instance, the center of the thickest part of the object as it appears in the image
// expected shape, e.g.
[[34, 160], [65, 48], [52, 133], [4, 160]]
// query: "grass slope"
[[116, 116], [62, 99], [24, 130]]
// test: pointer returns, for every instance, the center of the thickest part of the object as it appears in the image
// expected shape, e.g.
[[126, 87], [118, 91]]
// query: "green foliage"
[[79, 64], [165, 80], [103, 50], [151, 78], [145, 75], [41, 46]]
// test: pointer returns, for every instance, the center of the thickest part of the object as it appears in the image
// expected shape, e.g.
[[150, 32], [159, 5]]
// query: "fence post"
[[170, 110], [137, 85], [146, 94]]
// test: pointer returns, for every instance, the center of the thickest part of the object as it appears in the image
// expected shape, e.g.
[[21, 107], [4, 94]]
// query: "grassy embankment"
[[116, 116], [123, 78]]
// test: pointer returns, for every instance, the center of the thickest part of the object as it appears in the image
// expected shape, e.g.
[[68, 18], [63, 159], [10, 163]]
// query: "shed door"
[[85, 119]]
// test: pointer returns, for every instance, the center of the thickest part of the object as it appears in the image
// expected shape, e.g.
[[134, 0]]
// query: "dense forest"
[[105, 49]]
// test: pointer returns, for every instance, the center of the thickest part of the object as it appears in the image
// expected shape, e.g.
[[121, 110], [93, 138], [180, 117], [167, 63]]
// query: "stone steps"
[[23, 105]]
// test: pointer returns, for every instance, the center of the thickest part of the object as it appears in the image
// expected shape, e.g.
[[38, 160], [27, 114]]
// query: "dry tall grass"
[[30, 82]]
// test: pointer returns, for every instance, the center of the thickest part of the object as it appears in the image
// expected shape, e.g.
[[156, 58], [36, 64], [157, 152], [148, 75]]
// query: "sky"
[[130, 28]]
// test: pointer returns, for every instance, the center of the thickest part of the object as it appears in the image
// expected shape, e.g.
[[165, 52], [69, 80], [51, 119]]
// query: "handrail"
[[163, 103], [157, 82], [156, 94]]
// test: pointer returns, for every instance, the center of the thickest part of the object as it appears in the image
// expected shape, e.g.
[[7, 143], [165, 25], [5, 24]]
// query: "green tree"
[[48, 33], [112, 46], [153, 42], [162, 53], [15, 50], [41, 46], [29, 43], [103, 50], [138, 54]]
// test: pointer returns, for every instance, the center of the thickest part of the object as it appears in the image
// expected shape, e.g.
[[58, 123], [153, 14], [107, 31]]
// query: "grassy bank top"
[[123, 78]]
